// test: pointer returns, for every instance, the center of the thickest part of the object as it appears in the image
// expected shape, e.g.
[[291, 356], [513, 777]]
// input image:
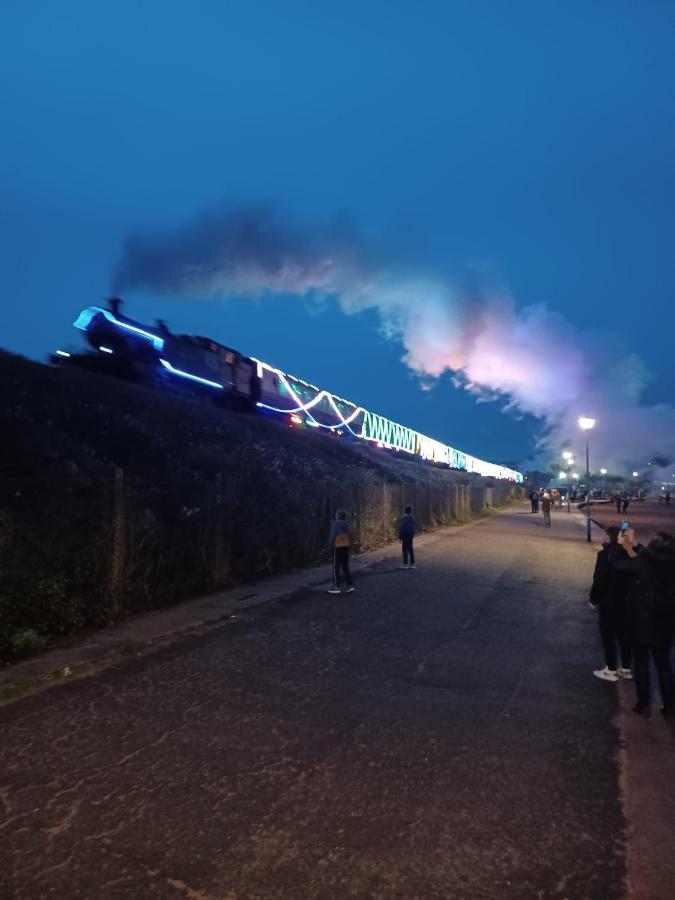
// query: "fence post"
[[118, 544], [385, 529], [219, 557]]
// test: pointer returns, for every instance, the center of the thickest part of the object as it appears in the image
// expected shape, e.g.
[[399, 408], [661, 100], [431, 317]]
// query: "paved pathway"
[[436, 734]]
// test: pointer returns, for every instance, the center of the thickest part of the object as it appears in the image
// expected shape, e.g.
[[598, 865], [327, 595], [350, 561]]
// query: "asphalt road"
[[436, 734]]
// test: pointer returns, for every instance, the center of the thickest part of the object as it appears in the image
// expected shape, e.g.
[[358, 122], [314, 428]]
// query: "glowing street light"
[[603, 471], [635, 474], [562, 475], [567, 455], [575, 475], [586, 423]]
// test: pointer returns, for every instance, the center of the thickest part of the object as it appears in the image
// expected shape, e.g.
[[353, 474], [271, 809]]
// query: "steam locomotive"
[[156, 354]]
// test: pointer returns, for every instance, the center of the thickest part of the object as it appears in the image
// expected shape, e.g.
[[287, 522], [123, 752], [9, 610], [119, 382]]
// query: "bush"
[[25, 642]]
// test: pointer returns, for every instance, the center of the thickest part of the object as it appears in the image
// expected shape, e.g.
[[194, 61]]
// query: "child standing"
[[340, 542], [406, 532]]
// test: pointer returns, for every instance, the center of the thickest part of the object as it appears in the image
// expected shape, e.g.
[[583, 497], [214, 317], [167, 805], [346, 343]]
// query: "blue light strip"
[[84, 320], [167, 365]]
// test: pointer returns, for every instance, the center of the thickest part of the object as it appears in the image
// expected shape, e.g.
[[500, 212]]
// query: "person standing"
[[340, 542], [407, 526], [650, 614], [534, 500], [608, 597], [626, 502], [617, 500], [546, 504]]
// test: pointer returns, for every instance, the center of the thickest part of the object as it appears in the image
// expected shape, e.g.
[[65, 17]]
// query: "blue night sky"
[[536, 137]]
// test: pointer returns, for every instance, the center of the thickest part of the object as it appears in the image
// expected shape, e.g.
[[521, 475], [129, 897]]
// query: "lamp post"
[[603, 472], [586, 423], [569, 462]]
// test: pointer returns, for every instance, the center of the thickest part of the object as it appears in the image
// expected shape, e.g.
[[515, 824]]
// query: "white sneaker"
[[413, 566], [404, 567], [335, 591], [606, 674], [349, 589], [624, 673]]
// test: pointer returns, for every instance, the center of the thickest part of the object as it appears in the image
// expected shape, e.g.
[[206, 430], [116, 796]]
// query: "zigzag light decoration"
[[383, 431]]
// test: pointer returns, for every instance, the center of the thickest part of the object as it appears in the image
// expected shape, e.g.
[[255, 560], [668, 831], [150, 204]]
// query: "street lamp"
[[586, 423], [603, 472]]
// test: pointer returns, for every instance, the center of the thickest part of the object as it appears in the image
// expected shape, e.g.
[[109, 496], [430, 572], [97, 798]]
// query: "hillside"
[[117, 497]]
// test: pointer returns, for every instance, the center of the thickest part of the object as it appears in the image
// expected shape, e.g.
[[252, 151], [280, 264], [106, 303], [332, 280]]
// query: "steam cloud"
[[531, 358]]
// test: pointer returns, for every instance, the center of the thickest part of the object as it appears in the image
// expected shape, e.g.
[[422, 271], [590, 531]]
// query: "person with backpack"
[[608, 597], [340, 542], [407, 527], [650, 617], [546, 506]]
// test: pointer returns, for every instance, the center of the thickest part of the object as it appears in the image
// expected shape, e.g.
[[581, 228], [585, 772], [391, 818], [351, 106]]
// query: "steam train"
[[155, 354]]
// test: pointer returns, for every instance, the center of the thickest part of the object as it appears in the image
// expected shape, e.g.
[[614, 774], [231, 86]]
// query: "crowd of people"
[[633, 592]]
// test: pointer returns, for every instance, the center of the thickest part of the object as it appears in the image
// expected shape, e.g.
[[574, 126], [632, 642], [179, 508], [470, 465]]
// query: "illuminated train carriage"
[[204, 363]]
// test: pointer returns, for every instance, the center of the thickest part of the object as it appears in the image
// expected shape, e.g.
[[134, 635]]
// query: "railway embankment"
[[117, 498]]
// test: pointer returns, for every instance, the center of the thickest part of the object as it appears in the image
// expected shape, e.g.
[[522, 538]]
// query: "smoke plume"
[[531, 359]]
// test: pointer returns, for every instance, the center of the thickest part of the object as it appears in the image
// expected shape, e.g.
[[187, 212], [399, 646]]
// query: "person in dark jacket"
[[649, 617], [339, 542], [406, 532], [608, 597], [534, 500]]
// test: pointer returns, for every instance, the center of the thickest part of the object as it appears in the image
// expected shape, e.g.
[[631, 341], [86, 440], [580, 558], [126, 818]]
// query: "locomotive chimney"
[[114, 304]]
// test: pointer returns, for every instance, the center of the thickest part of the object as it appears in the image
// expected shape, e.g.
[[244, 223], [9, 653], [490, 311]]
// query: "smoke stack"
[[114, 304]]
